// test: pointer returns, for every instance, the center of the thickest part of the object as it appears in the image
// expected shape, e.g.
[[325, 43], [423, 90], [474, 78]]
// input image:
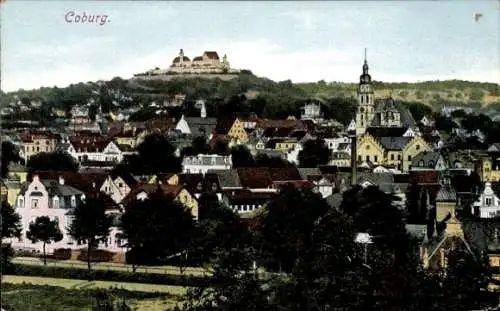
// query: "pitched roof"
[[386, 131], [446, 194], [254, 177], [227, 178], [268, 123], [394, 143], [305, 172], [211, 54], [199, 126], [424, 177], [426, 156], [224, 125], [86, 182], [284, 174], [172, 190]]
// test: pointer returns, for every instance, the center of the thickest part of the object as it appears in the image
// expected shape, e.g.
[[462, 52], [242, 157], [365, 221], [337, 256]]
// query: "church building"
[[373, 112]]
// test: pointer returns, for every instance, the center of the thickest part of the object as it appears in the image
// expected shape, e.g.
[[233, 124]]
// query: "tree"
[[221, 148], [219, 228], [44, 230], [241, 157], [90, 223], [52, 161], [9, 154], [314, 153], [263, 160], [283, 232], [146, 224], [198, 146], [10, 224], [156, 155]]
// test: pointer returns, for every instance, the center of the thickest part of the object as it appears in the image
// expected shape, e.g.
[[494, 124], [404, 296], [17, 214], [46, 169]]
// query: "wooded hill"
[[275, 94]]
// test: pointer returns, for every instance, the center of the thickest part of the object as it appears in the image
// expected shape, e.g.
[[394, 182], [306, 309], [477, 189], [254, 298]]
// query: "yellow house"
[[390, 151], [285, 145], [411, 149], [340, 159], [9, 190], [126, 138], [488, 171], [233, 129], [18, 171], [369, 149], [35, 142], [180, 194]]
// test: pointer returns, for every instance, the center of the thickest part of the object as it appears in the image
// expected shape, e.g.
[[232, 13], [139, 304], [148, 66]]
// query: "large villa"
[[208, 64]]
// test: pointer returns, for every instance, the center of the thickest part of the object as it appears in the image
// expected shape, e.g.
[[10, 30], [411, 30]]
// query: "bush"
[[97, 255], [62, 254], [110, 275]]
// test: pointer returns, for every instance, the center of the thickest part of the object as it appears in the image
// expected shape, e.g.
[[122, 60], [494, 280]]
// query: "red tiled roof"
[[224, 125], [284, 174], [211, 54], [267, 123], [298, 184], [424, 177], [172, 190], [254, 177], [81, 144]]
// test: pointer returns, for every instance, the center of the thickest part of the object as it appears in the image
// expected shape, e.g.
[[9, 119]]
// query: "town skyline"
[[302, 42]]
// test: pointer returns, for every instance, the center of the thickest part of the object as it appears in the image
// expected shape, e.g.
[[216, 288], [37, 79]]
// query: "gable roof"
[[424, 177], [284, 174], [227, 178], [199, 126], [211, 55], [426, 156]]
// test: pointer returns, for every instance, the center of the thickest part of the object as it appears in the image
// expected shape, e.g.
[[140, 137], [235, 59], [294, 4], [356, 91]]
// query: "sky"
[[42, 45]]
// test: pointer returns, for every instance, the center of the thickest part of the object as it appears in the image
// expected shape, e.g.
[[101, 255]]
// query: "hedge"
[[62, 254], [111, 275], [97, 255]]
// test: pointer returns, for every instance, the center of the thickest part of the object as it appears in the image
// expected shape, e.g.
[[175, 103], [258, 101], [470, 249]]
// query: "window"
[[375, 159], [55, 202], [421, 163], [21, 202], [417, 147], [367, 147], [431, 164], [34, 203], [73, 201], [367, 158], [487, 201], [409, 158], [360, 158], [392, 157], [399, 157]]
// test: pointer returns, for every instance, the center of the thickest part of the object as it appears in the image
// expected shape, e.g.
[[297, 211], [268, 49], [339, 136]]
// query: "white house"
[[57, 200], [311, 112], [292, 156], [204, 162], [50, 198], [488, 204], [87, 149], [333, 143], [117, 188]]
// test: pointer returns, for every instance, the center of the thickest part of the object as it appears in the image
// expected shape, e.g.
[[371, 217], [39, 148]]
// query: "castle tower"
[[366, 101]]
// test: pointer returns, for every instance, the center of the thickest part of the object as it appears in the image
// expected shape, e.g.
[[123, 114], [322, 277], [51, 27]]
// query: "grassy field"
[[47, 294], [196, 271]]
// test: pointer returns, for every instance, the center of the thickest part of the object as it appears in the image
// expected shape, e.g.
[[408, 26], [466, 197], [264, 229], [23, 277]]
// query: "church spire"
[[365, 78], [365, 57]]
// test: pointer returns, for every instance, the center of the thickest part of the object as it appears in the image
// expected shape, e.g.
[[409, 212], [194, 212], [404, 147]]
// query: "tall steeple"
[[366, 109]]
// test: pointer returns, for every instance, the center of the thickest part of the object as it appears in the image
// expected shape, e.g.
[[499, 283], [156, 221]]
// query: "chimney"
[[354, 164], [61, 180]]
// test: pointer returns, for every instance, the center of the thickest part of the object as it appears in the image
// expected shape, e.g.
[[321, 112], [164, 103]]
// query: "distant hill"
[[137, 92], [431, 93]]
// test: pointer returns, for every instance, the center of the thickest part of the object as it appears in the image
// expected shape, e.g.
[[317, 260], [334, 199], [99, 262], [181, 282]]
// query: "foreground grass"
[[196, 271], [32, 293]]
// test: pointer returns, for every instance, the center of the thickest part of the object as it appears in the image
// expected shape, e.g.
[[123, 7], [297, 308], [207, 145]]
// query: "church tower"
[[366, 101]]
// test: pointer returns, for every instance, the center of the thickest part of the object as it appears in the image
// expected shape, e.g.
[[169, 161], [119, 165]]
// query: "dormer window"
[[431, 164], [421, 163], [73, 201], [20, 202]]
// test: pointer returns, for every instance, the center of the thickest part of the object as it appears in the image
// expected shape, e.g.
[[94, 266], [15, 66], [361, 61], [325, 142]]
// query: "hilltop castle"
[[208, 64]]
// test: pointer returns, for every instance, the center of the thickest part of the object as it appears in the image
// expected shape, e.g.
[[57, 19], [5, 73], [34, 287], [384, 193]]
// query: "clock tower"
[[366, 101]]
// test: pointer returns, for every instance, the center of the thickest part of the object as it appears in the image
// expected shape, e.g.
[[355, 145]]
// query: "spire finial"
[[365, 56]]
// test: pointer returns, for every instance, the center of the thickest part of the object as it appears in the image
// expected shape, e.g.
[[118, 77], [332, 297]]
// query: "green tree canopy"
[[44, 230], [314, 153], [52, 161]]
